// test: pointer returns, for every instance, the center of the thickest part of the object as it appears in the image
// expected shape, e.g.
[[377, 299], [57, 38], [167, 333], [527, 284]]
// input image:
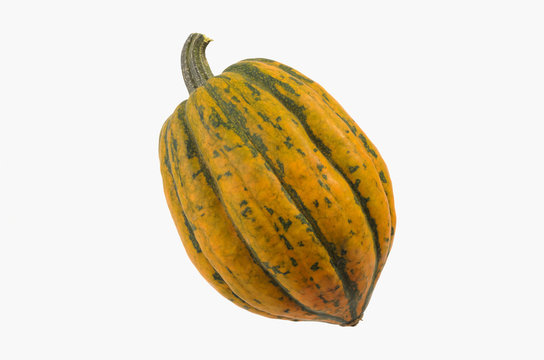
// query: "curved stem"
[[194, 66]]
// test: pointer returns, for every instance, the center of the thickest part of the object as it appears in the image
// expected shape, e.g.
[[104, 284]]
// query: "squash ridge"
[[349, 288], [262, 84], [193, 239], [379, 168], [213, 184], [209, 179], [361, 199]]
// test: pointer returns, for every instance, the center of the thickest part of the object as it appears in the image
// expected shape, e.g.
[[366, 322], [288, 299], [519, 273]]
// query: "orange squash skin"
[[282, 203]]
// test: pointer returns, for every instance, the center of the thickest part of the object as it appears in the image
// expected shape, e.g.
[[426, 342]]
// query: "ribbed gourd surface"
[[282, 202]]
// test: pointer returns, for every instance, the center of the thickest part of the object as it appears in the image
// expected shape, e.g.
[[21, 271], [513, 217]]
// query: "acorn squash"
[[283, 204]]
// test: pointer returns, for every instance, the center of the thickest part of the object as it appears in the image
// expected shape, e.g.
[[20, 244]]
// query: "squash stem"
[[194, 66]]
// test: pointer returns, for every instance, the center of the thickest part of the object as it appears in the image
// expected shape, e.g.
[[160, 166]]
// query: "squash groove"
[[369, 147], [255, 75], [251, 69], [263, 81], [213, 184], [358, 133], [192, 152], [376, 161], [205, 268], [234, 86], [349, 287]]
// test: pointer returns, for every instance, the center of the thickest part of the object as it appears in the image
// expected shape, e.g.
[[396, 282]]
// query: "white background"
[[451, 92]]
